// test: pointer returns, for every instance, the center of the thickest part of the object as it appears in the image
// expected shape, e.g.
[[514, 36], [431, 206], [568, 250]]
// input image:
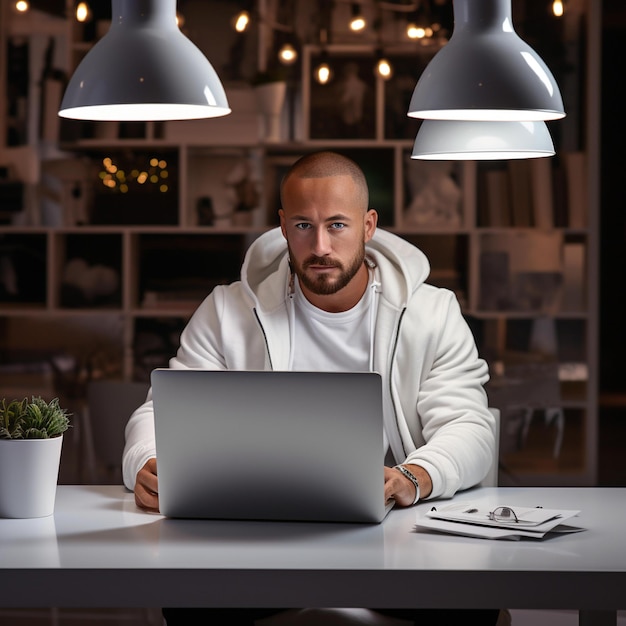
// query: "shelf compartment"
[[23, 262], [224, 188], [179, 271], [91, 270], [137, 186], [448, 258], [526, 271]]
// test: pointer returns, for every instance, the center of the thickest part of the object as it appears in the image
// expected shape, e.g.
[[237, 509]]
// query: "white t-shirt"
[[335, 342], [332, 342]]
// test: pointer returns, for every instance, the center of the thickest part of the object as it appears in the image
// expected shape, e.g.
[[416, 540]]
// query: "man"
[[329, 292]]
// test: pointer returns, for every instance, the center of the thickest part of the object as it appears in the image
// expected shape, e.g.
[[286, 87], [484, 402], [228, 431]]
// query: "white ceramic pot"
[[29, 471]]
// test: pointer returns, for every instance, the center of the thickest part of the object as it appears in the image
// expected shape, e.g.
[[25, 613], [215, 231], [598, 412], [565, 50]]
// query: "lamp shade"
[[144, 69], [486, 72], [453, 140]]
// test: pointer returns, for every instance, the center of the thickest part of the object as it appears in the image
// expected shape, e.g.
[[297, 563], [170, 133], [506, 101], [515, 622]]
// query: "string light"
[[241, 21], [413, 31], [357, 23], [383, 68], [558, 8], [83, 12], [323, 73], [287, 54], [117, 179]]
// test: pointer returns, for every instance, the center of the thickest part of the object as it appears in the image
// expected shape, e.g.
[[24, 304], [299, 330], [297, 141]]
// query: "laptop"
[[266, 445]]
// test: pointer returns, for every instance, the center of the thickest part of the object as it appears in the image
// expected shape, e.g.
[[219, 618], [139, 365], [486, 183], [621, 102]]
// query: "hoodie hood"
[[403, 268]]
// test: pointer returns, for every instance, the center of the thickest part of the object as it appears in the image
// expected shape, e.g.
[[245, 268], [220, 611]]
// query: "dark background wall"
[[612, 463]]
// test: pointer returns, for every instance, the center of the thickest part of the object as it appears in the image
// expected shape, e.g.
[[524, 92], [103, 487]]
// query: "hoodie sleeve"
[[457, 427], [200, 347]]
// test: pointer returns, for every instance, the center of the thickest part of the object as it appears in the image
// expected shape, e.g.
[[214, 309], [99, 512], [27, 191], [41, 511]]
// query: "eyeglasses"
[[503, 514]]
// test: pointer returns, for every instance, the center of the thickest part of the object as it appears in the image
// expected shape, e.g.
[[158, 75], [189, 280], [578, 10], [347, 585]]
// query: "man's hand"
[[147, 487], [401, 489]]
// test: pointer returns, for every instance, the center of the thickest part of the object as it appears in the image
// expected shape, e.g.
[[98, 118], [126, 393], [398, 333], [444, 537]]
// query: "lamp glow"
[[144, 69]]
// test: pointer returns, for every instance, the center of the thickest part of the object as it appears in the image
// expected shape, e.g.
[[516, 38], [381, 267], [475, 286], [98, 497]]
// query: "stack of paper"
[[474, 520]]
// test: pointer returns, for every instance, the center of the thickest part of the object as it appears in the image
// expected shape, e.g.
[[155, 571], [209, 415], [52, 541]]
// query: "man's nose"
[[322, 242]]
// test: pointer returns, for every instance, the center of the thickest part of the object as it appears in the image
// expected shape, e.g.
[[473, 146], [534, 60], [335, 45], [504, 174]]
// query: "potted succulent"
[[31, 437]]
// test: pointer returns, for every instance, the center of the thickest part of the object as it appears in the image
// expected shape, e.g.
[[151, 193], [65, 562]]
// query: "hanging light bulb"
[[83, 12], [383, 67], [357, 23], [557, 8], [241, 21], [22, 6], [287, 54], [323, 73]]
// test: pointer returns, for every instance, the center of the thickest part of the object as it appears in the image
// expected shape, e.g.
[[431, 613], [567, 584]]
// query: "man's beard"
[[323, 284]]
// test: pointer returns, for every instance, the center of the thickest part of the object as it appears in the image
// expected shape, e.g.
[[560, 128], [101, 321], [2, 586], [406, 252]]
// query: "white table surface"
[[100, 550]]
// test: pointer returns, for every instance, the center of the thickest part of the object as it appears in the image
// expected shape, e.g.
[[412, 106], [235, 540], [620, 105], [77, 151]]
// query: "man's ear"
[[370, 223]]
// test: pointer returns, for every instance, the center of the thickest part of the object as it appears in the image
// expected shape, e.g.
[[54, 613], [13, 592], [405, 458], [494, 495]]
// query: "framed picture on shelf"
[[344, 107]]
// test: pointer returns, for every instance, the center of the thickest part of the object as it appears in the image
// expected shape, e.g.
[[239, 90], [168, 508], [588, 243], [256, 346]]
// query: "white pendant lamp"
[[144, 69], [453, 140], [486, 72]]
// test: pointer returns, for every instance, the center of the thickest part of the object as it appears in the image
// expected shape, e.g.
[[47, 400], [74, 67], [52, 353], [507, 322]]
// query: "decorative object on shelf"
[[144, 69], [435, 196], [481, 140], [31, 438], [245, 193], [85, 284], [486, 72], [270, 90]]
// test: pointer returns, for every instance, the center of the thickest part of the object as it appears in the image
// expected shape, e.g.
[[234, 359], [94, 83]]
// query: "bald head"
[[324, 164]]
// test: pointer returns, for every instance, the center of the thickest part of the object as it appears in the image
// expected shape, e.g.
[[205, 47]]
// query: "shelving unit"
[[150, 255]]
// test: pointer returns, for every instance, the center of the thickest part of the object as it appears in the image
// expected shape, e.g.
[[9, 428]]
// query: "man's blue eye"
[[338, 225]]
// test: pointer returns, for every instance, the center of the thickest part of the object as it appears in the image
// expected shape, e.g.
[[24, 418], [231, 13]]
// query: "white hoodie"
[[435, 406]]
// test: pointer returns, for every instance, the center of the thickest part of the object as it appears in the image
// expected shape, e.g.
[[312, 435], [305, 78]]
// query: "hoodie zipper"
[[267, 346]]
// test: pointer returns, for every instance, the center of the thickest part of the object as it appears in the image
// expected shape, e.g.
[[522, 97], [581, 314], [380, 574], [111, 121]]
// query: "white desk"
[[99, 550]]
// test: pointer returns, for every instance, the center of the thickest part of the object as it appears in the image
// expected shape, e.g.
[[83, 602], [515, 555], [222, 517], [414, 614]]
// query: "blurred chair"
[[109, 405]]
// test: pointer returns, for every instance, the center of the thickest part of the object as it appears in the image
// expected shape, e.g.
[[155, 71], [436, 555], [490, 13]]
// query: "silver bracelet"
[[412, 478]]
